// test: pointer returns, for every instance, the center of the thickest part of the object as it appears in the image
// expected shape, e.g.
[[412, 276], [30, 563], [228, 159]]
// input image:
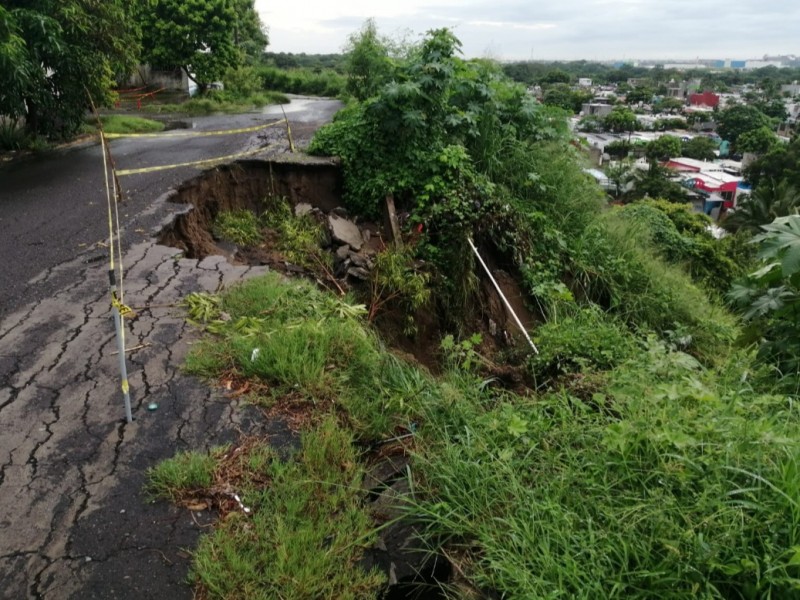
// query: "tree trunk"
[[32, 118]]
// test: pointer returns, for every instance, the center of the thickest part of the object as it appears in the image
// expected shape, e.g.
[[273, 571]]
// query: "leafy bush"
[[583, 340], [770, 299], [679, 235], [242, 81], [302, 81], [13, 135], [395, 282]]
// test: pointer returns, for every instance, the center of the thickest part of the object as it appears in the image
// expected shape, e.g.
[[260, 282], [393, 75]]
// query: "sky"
[[552, 30]]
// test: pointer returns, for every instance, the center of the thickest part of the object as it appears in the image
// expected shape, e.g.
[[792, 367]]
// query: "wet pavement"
[[75, 521]]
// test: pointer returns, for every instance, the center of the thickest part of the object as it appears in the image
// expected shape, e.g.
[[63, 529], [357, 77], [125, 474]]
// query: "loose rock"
[[345, 232], [358, 273], [303, 208], [342, 253], [360, 260]]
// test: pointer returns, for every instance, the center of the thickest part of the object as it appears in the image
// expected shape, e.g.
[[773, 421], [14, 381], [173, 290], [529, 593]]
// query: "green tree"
[[664, 148], [250, 33], [639, 94], [700, 148], [775, 109], [197, 36], [368, 64], [556, 76], [781, 162], [759, 141], [53, 51], [770, 200], [669, 105], [563, 96], [621, 173], [736, 120], [621, 119], [655, 182]]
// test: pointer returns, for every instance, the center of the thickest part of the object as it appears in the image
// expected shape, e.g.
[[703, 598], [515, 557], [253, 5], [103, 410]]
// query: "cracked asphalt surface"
[[75, 522]]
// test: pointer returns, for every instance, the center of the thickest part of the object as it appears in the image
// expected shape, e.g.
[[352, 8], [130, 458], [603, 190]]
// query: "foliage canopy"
[[52, 52]]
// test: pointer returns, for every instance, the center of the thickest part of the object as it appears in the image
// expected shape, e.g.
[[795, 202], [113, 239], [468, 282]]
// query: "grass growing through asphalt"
[[668, 480], [306, 530]]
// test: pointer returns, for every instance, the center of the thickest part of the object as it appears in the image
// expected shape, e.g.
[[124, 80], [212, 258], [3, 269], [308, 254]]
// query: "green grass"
[[666, 485], [668, 479], [183, 475], [218, 102], [128, 124], [299, 237], [300, 340], [307, 528], [615, 267], [239, 226]]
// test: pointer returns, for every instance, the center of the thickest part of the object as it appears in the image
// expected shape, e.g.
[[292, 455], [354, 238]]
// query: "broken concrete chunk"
[[341, 253], [345, 231], [303, 208], [358, 273], [360, 260]]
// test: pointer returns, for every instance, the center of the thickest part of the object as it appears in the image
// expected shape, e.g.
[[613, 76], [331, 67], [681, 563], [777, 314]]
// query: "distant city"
[[780, 62]]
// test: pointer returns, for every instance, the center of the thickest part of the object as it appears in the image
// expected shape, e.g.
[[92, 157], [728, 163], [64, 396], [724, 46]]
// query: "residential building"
[[707, 99], [596, 109]]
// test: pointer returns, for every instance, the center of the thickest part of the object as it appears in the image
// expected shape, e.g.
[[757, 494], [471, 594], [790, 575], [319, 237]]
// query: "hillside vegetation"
[[649, 450]]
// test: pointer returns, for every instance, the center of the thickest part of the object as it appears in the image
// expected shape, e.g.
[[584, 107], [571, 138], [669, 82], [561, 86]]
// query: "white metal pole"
[[503, 297], [123, 367]]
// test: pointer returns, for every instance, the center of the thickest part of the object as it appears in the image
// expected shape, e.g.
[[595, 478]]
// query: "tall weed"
[[677, 488]]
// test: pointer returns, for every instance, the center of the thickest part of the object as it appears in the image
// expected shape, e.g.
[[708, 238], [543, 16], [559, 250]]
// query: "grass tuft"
[[238, 226], [306, 530], [128, 124]]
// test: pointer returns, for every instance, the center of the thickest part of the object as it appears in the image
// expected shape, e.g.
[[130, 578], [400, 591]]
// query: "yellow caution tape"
[[125, 386], [111, 136], [195, 163], [124, 310]]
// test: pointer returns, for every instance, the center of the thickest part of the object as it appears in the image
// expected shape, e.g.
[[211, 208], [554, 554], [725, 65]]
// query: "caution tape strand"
[[194, 163], [188, 134]]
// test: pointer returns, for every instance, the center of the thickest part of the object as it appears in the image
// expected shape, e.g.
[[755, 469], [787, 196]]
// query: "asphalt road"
[[74, 521]]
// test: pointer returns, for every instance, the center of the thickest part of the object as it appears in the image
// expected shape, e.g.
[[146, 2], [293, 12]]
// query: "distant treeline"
[[288, 60], [322, 73], [539, 73]]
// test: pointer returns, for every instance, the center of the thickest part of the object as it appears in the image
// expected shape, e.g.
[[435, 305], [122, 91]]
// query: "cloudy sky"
[[557, 29]]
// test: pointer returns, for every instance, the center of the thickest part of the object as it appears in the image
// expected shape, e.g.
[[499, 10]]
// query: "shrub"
[[679, 236], [585, 339]]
